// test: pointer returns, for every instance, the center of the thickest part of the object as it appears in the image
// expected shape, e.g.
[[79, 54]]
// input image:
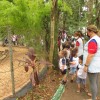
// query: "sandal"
[[89, 94], [86, 90], [91, 99], [78, 91], [97, 98]]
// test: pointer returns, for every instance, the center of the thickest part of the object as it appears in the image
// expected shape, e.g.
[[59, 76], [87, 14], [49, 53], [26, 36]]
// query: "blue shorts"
[[81, 81], [72, 70]]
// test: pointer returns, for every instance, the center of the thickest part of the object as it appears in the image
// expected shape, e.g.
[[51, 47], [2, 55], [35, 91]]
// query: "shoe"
[[63, 82], [86, 90], [71, 81], [89, 94], [78, 91]]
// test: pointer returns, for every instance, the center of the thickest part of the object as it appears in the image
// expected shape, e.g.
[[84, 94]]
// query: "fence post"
[[11, 60]]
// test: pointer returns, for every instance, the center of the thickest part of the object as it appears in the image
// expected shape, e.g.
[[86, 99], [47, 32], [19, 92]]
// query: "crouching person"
[[62, 65]]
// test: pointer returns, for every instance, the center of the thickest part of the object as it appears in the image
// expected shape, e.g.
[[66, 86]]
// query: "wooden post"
[[11, 60]]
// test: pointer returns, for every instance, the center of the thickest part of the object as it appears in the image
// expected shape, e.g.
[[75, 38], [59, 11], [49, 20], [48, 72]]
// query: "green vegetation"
[[40, 19]]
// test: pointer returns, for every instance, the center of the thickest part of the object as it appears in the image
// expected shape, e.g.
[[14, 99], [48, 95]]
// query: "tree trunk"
[[97, 13], [55, 55], [53, 15], [90, 11]]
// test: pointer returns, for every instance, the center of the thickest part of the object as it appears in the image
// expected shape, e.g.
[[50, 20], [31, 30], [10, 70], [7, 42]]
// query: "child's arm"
[[72, 62]]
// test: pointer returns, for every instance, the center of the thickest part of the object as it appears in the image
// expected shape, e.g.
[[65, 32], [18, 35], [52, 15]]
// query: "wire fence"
[[20, 76]]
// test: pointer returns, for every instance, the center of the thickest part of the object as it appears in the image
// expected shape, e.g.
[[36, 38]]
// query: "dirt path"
[[71, 94]]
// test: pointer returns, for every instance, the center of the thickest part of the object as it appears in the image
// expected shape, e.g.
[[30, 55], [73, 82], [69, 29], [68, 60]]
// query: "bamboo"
[[11, 61]]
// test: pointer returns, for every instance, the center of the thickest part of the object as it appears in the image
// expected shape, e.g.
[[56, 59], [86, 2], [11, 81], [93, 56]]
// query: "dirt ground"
[[71, 94], [20, 76], [47, 87]]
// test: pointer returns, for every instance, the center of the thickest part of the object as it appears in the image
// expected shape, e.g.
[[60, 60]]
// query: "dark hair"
[[78, 33], [81, 57], [67, 46], [72, 45], [73, 52]]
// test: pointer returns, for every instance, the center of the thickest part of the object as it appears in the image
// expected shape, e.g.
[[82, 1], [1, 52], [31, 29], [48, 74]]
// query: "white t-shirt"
[[76, 60], [14, 38], [61, 63], [81, 73], [63, 41], [80, 47]]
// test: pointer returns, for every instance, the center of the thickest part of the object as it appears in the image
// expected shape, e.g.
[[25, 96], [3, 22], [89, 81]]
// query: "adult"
[[91, 59], [79, 43], [64, 34], [63, 41]]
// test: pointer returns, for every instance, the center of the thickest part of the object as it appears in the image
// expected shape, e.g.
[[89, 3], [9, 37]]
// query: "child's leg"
[[64, 80], [85, 88], [78, 87], [72, 77], [73, 74]]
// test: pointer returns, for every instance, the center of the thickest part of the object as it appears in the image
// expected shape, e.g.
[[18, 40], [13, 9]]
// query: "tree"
[[53, 16], [97, 3]]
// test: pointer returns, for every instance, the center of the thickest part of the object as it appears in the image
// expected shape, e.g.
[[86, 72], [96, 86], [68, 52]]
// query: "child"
[[73, 64], [81, 75], [62, 65], [67, 49]]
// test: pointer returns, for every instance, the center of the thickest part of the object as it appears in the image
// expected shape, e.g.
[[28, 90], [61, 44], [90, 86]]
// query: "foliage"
[[31, 18], [26, 17], [64, 7]]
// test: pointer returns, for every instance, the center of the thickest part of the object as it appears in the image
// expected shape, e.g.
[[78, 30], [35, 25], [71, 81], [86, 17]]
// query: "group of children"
[[70, 63]]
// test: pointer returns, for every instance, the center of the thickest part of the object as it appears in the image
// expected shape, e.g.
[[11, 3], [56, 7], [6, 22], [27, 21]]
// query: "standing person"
[[91, 59], [79, 43], [59, 43], [64, 34], [73, 64], [63, 40], [67, 49], [81, 76], [14, 38]]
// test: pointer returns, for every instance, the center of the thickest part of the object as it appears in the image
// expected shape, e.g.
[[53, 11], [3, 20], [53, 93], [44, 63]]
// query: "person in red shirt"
[[79, 43], [91, 59]]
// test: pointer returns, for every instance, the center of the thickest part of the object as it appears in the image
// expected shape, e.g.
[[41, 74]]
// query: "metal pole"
[[11, 61]]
